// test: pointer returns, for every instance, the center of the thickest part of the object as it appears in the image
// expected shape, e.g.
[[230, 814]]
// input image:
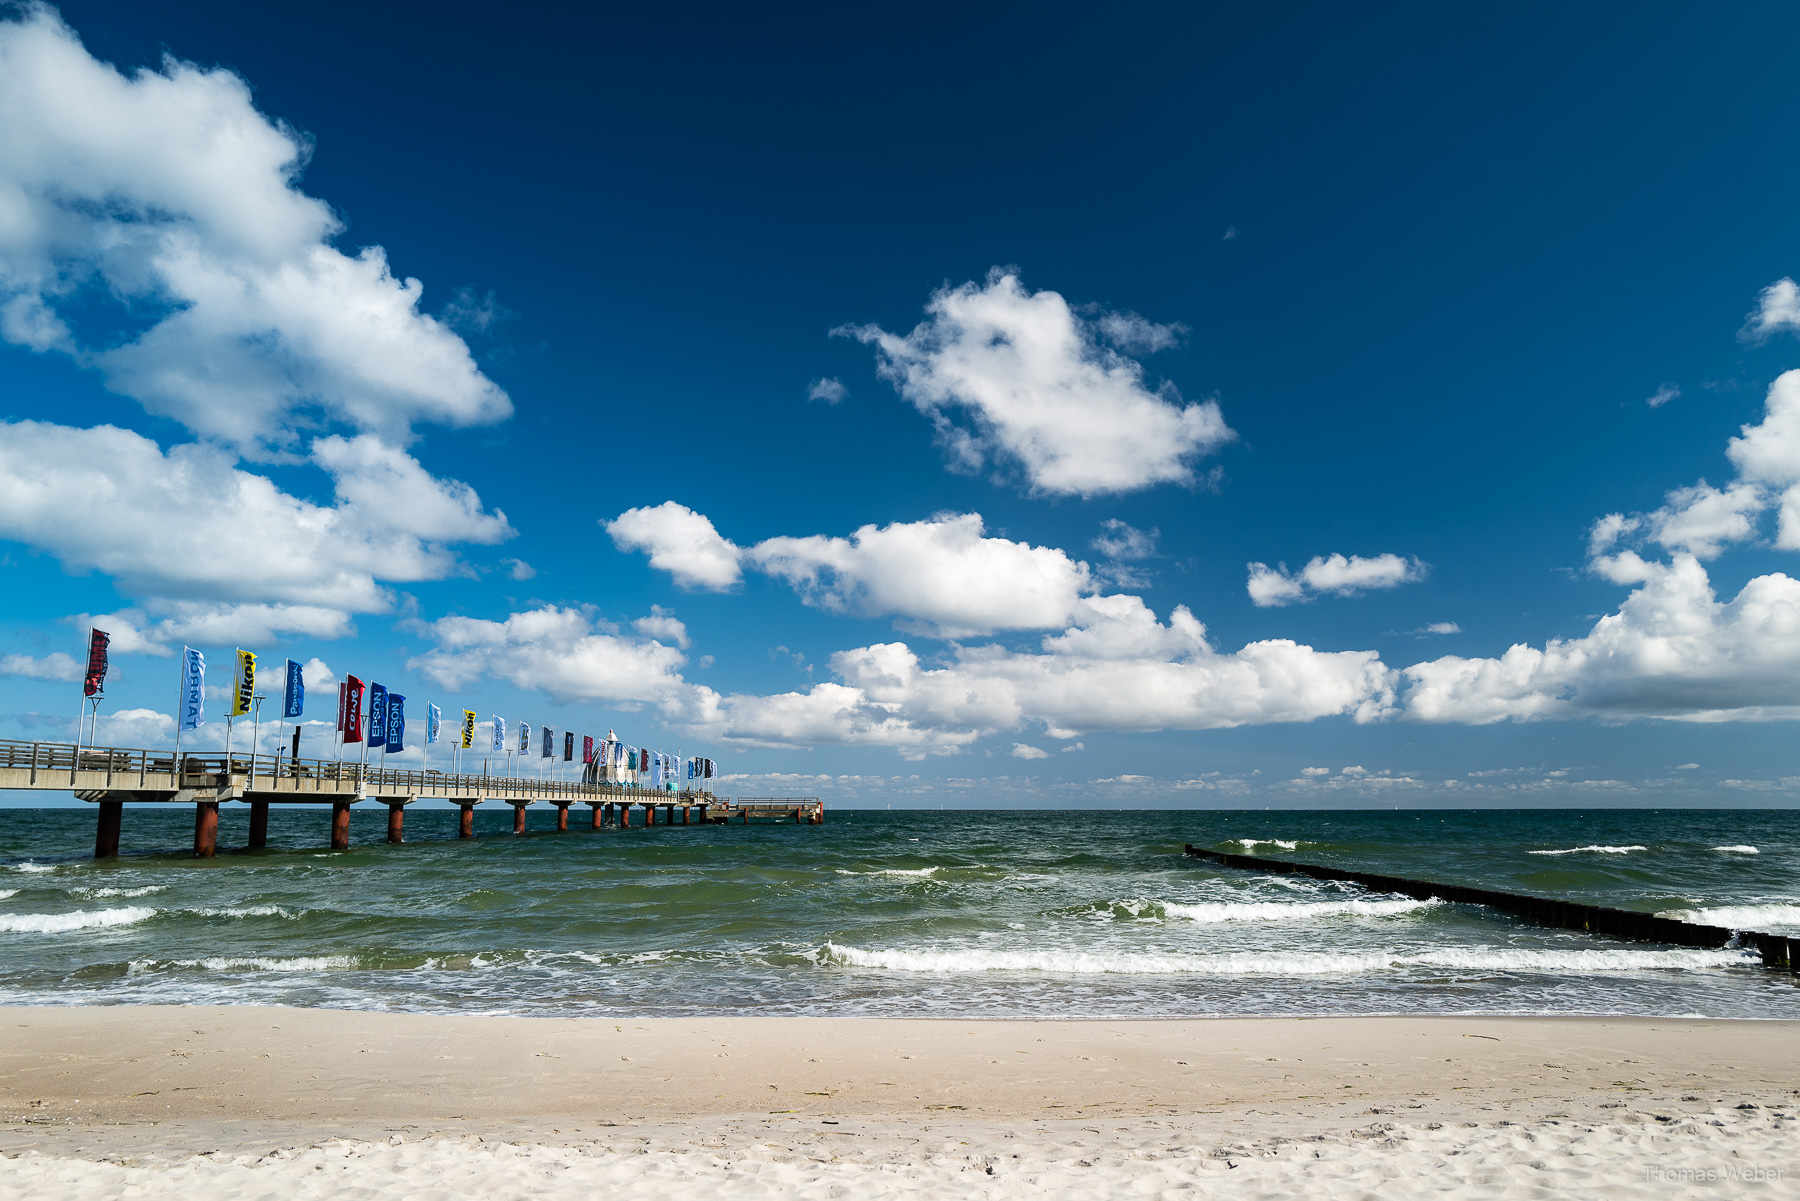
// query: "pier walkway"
[[113, 777]]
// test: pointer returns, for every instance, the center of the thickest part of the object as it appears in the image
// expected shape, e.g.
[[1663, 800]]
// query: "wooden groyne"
[[112, 777], [1778, 951]]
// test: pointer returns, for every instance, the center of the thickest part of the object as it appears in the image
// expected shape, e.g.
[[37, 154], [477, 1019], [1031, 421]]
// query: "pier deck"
[[113, 777]]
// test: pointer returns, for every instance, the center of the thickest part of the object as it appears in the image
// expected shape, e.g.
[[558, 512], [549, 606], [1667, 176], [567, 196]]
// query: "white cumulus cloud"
[[167, 193], [215, 549], [681, 542], [1777, 309], [54, 666], [1333, 575], [944, 576], [1017, 377]]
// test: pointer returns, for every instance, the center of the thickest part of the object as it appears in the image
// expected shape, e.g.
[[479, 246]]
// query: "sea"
[[984, 914]]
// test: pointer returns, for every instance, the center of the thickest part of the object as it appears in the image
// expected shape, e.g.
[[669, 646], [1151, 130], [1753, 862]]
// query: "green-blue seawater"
[[920, 913]]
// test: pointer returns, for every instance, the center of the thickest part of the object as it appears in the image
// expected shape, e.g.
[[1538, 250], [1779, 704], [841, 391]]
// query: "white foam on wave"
[[1249, 843], [120, 892], [1296, 911], [80, 919], [8, 892], [889, 871], [1739, 917], [1276, 963], [1739, 850], [1599, 850], [29, 866], [245, 911], [238, 963]]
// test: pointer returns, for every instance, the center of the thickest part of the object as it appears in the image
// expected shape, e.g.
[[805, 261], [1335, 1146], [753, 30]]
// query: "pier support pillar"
[[668, 815], [518, 819], [259, 823], [744, 815], [340, 825], [465, 823], [206, 829], [595, 810], [562, 819], [397, 822], [106, 833], [624, 817], [687, 815]]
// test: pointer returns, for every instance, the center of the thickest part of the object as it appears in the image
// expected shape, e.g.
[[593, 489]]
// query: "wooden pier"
[[1778, 951], [112, 777]]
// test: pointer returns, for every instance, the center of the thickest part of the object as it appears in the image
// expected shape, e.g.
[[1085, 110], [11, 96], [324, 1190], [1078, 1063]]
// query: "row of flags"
[[376, 714]]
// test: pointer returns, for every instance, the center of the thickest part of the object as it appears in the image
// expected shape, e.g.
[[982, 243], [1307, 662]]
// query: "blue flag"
[[499, 733], [524, 739], [434, 718], [193, 688], [396, 722], [377, 715], [549, 743], [293, 701]]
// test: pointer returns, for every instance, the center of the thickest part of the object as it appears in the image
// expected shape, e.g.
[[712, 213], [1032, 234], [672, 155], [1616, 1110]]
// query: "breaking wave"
[[1286, 844], [8, 892], [1276, 911], [80, 919], [1741, 850], [888, 871], [1276, 963], [1595, 849], [119, 892], [1739, 917], [29, 866], [239, 963]]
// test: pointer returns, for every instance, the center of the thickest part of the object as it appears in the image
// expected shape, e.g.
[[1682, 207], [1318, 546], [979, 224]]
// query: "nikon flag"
[[95, 683], [468, 730], [245, 693]]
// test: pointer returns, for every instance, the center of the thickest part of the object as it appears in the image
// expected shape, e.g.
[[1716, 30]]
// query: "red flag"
[[587, 749], [96, 671], [350, 713]]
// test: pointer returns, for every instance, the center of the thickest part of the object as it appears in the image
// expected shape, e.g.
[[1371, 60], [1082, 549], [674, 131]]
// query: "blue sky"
[[896, 407]]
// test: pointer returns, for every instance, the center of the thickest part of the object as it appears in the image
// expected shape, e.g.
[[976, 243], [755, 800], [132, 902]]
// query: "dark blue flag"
[[396, 721], [293, 701], [377, 715], [549, 744]]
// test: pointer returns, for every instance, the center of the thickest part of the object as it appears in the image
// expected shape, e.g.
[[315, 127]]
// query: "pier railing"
[[62, 765]]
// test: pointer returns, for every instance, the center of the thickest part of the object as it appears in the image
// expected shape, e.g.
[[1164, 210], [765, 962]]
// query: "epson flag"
[[396, 722], [377, 715]]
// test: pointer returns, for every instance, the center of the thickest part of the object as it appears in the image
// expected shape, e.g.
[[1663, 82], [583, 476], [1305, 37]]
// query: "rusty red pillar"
[[259, 823], [687, 815], [340, 825], [206, 829], [106, 833], [562, 819], [625, 816], [465, 825], [518, 819], [595, 810], [396, 822]]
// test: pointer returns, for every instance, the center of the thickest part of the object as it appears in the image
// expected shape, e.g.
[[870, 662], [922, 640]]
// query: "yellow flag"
[[468, 738], [246, 684]]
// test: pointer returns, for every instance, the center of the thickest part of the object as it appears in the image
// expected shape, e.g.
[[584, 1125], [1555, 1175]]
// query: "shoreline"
[[218, 1101]]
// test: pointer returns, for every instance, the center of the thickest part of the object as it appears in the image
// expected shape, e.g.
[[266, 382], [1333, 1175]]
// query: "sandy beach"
[[244, 1101]]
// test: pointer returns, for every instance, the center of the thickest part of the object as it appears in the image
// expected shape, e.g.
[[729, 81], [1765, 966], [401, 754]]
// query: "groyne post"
[[340, 825], [465, 822], [206, 829], [106, 833], [259, 824]]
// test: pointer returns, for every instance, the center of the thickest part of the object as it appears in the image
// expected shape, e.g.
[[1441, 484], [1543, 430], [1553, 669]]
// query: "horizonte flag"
[[499, 732], [434, 717], [524, 739], [193, 689], [293, 697], [396, 722]]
